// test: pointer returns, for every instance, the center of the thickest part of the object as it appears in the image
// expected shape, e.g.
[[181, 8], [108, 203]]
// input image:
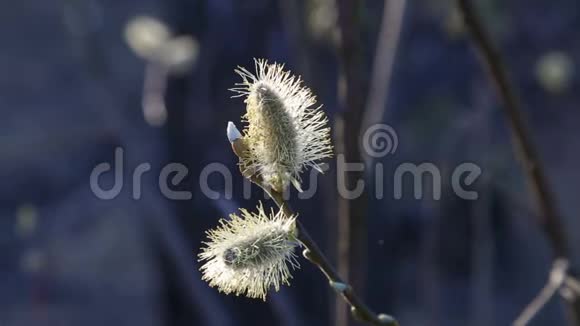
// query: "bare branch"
[[555, 281], [312, 252], [385, 52], [551, 221], [490, 57]]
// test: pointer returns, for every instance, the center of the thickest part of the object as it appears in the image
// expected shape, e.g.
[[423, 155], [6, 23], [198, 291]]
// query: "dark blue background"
[[70, 93]]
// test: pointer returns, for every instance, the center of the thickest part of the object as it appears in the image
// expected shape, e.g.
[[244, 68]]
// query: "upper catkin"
[[284, 133]]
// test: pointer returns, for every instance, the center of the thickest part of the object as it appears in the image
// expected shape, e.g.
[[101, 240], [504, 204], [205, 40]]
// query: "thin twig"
[[312, 252], [352, 219], [386, 50], [551, 222], [153, 97], [555, 281], [529, 159]]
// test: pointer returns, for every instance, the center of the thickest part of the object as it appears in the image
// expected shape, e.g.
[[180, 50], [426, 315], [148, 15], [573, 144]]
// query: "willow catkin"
[[284, 133], [250, 254]]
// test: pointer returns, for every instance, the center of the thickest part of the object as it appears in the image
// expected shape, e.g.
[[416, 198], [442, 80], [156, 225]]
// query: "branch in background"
[[386, 50], [352, 214], [551, 222], [153, 98], [555, 281], [294, 22]]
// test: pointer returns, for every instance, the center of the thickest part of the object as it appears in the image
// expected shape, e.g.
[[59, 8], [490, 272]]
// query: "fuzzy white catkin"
[[284, 132], [250, 254]]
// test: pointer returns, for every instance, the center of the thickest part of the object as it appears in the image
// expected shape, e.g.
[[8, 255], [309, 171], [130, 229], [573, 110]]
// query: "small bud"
[[239, 147], [233, 132], [386, 319], [307, 254], [339, 286]]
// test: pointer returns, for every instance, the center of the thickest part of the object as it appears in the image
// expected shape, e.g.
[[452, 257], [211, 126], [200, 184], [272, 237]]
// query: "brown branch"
[[489, 56], [352, 230], [312, 252], [554, 283], [551, 222], [385, 52]]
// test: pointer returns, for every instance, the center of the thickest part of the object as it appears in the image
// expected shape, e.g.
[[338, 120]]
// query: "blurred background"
[[81, 78]]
